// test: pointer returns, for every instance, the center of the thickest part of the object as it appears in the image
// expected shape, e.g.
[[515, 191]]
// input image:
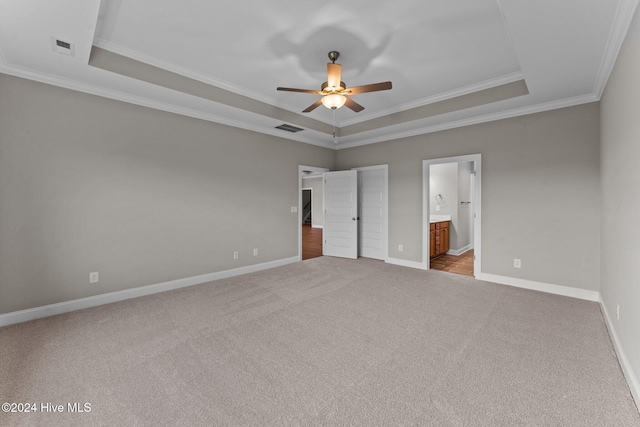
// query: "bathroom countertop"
[[439, 218]]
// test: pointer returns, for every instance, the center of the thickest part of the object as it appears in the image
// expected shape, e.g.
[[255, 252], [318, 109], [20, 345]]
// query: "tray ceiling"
[[451, 63]]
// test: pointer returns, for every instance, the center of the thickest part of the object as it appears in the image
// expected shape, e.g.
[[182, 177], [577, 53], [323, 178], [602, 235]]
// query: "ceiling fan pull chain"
[[334, 126]]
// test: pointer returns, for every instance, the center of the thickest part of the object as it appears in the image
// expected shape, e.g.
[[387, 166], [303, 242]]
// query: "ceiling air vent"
[[63, 47], [289, 128]]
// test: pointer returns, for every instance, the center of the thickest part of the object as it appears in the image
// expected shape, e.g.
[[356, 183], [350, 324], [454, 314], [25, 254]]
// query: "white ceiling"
[[431, 50]]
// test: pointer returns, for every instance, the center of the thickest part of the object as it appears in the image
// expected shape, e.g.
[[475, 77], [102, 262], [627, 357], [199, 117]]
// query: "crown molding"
[[150, 103], [523, 111], [621, 21], [443, 96], [191, 74]]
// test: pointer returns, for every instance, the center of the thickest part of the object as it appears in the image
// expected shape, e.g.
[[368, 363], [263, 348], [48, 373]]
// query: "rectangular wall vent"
[[63, 47], [289, 128]]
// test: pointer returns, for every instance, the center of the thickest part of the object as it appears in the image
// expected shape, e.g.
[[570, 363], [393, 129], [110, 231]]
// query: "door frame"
[[476, 198], [385, 207], [301, 169]]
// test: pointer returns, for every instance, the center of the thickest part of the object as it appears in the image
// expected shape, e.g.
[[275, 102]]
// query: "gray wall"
[[317, 214], [142, 196], [540, 192], [139, 195], [620, 151]]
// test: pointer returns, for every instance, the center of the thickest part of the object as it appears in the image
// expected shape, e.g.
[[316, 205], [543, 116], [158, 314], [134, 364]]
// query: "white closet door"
[[371, 205], [340, 233]]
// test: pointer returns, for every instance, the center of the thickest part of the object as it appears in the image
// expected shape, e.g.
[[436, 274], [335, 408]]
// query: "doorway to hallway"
[[310, 211], [367, 211], [311, 235]]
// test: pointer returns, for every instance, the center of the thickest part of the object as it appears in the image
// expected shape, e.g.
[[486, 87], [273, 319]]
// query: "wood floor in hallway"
[[311, 242]]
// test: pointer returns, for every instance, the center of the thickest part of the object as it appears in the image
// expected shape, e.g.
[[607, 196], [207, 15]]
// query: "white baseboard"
[[405, 263], [566, 291], [632, 379], [458, 252], [82, 303], [316, 226], [93, 301]]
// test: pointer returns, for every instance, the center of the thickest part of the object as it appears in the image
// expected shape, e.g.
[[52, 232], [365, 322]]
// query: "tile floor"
[[462, 264]]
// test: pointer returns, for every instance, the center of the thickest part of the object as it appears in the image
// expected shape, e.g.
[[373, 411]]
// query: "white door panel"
[[371, 195], [340, 233], [372, 243], [374, 214]]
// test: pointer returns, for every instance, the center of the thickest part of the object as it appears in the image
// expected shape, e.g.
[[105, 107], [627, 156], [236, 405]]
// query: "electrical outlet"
[[517, 263], [400, 248], [235, 255], [93, 277], [255, 252], [294, 209], [617, 311]]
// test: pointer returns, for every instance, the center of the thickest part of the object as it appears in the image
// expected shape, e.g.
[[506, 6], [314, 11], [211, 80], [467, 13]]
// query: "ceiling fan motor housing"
[[343, 86]]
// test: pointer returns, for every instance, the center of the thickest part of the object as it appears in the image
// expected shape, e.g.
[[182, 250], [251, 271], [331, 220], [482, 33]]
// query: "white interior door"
[[372, 187], [340, 234]]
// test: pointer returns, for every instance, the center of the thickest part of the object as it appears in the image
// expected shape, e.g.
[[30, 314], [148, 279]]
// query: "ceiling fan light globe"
[[333, 101]]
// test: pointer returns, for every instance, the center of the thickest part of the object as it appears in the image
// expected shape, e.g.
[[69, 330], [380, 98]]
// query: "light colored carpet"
[[323, 342]]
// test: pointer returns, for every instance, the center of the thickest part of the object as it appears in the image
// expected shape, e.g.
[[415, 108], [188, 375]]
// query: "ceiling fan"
[[335, 92]]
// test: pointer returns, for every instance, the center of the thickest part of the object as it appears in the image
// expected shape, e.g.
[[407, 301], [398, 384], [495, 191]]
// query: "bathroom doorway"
[[451, 239]]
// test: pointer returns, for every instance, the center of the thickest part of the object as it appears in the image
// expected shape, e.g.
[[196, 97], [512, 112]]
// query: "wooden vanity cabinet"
[[438, 238]]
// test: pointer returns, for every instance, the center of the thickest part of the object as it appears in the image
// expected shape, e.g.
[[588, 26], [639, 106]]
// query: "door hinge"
[[474, 257], [474, 173]]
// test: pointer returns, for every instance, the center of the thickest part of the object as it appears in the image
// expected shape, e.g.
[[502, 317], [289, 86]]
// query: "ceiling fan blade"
[[290, 89], [368, 88], [313, 106], [350, 103], [334, 72]]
